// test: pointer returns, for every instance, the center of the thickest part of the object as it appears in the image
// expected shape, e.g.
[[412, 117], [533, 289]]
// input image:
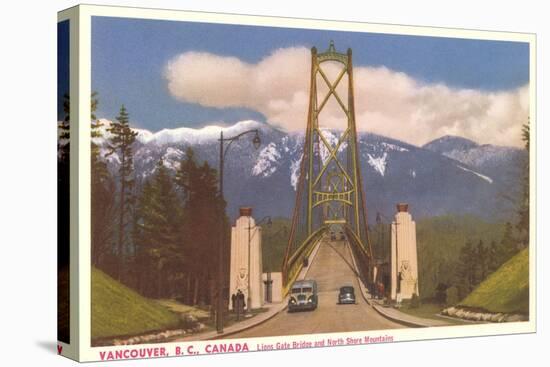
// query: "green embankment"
[[118, 310], [439, 240], [506, 290]]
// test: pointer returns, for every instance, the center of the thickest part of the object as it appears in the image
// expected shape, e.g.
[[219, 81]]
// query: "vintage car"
[[303, 296], [346, 295]]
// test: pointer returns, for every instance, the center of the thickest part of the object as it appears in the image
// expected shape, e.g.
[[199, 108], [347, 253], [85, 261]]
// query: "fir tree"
[[466, 269], [187, 171], [64, 126], [64, 132], [101, 180], [522, 225], [142, 233], [95, 130], [492, 258], [63, 192], [102, 191], [122, 139], [159, 248], [508, 244], [481, 261], [204, 216]]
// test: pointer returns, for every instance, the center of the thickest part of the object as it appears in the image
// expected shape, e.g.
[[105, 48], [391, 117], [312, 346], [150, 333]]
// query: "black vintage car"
[[346, 295]]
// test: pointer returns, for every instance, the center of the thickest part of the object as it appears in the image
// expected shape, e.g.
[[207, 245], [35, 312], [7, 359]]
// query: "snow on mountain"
[[449, 143], [202, 135], [295, 172], [389, 147], [171, 159], [332, 137], [143, 135], [184, 135], [267, 161], [378, 163], [482, 155], [173, 153], [472, 154], [486, 178], [454, 183]]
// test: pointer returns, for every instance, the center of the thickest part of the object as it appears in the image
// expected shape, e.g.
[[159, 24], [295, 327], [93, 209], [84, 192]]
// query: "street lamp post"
[[268, 282], [267, 219], [223, 151]]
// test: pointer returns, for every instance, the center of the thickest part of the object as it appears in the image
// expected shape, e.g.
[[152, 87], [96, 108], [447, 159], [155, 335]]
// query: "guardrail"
[[295, 262], [360, 253]]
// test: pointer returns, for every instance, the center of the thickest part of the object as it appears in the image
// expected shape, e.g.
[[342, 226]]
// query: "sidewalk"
[[395, 315], [272, 310]]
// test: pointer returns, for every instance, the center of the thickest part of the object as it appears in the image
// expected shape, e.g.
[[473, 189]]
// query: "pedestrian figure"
[[233, 299], [240, 295], [381, 290], [239, 304]]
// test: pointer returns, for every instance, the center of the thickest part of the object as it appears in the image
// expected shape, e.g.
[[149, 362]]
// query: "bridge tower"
[[329, 192]]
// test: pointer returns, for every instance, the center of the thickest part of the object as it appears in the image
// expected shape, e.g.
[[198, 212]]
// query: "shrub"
[[452, 296], [415, 301]]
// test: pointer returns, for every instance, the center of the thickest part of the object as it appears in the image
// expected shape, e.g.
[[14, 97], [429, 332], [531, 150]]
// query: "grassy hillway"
[[506, 290], [118, 310]]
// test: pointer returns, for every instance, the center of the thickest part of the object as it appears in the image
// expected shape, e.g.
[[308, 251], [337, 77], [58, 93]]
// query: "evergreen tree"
[[440, 296], [187, 175], [381, 247], [159, 248], [64, 126], [63, 181], [95, 130], [492, 258], [142, 234], [122, 139], [102, 191], [466, 269], [508, 244], [481, 261], [522, 225], [205, 214], [64, 133]]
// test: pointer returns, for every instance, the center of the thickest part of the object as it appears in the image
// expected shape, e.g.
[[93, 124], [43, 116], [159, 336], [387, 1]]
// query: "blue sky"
[[63, 49], [129, 57]]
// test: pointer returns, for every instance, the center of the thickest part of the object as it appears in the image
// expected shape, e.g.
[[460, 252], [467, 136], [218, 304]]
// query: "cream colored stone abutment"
[[404, 264], [246, 260]]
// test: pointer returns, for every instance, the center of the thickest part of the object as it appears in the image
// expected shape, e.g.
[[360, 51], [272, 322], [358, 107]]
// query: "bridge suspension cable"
[[329, 193]]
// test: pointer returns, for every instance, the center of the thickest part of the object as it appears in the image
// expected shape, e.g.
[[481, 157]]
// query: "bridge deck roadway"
[[331, 268]]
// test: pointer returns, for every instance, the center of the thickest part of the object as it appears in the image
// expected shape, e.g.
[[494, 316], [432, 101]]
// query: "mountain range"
[[450, 175]]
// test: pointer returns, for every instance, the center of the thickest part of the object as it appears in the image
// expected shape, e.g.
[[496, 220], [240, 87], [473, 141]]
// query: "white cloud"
[[387, 102]]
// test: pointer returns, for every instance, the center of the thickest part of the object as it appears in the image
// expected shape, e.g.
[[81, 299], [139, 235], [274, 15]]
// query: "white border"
[[84, 79], [71, 350]]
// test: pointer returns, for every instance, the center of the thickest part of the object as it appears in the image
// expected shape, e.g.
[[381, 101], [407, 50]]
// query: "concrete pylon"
[[404, 264], [246, 260]]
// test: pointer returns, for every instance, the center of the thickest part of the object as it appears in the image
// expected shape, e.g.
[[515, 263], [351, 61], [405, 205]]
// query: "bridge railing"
[[362, 256], [296, 261]]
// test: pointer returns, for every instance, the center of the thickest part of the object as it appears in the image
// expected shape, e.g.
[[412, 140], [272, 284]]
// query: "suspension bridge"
[[328, 240], [329, 194]]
